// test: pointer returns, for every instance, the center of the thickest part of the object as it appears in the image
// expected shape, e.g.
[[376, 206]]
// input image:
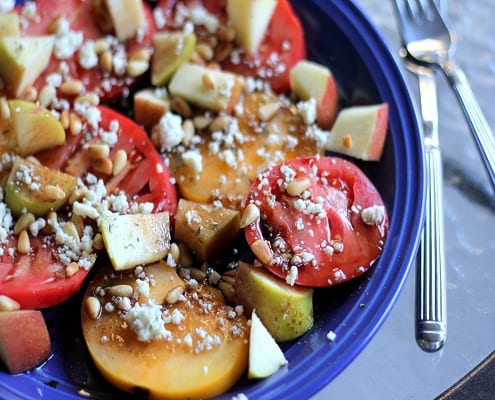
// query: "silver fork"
[[429, 41]]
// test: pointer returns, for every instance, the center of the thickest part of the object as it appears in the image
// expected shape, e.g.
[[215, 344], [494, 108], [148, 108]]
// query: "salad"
[[197, 224]]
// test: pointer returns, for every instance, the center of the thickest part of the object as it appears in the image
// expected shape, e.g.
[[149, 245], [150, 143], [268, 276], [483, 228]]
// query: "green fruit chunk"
[[171, 50], [37, 189], [286, 311], [35, 128]]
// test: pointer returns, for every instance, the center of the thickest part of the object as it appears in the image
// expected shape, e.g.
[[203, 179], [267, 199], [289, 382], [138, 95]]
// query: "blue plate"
[[339, 35]]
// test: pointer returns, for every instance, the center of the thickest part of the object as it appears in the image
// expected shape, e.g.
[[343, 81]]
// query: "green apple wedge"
[[286, 311], [135, 239], [265, 355], [171, 50], [23, 60], [250, 19], [35, 128]]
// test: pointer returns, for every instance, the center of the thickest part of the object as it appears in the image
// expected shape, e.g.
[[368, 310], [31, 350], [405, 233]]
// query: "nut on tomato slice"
[[315, 221], [149, 331]]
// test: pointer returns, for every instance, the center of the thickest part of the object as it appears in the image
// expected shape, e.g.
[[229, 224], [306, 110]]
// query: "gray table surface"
[[392, 366]]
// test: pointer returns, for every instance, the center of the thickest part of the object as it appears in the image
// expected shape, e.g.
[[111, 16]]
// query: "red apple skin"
[[326, 107], [380, 133], [24, 340]]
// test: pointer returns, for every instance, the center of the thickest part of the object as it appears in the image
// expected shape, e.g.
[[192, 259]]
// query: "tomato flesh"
[[322, 231], [39, 279]]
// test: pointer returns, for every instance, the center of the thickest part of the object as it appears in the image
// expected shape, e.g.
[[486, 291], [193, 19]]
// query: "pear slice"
[[286, 311], [135, 239], [265, 355], [171, 49], [35, 128], [23, 60], [36, 188]]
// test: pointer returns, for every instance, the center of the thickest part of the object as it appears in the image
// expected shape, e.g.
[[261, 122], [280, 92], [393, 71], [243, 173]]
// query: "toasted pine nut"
[[121, 290], [205, 51], [262, 251], [347, 141], [98, 243], [101, 45], [103, 165], [174, 294], [51, 218], [219, 123], [100, 150], [90, 98], [222, 51], [93, 307], [197, 274], [175, 251], [251, 213], [208, 82], [78, 221], [78, 194], [4, 108], [267, 111], [65, 119], [180, 106], [70, 229], [106, 61], [53, 192], [8, 304], [23, 223], [75, 124], [137, 68], [23, 243], [201, 121], [72, 87], [226, 33], [188, 129], [298, 186], [119, 162], [71, 269], [47, 95]]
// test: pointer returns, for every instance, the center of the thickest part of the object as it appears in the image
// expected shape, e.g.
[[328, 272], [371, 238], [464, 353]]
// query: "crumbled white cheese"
[[67, 42], [373, 215], [292, 275], [168, 131], [331, 335], [193, 159], [6, 6], [146, 321], [87, 55], [307, 110]]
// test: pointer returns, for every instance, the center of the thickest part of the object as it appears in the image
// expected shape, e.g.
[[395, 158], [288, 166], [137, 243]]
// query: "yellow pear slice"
[[23, 60], [171, 49], [35, 128]]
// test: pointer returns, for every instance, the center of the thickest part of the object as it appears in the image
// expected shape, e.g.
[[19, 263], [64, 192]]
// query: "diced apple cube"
[[9, 25], [149, 106], [127, 17], [360, 131], [209, 88]]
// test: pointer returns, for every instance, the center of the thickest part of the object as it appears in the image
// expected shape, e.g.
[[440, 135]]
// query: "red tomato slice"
[[39, 279], [282, 47], [326, 227], [82, 18]]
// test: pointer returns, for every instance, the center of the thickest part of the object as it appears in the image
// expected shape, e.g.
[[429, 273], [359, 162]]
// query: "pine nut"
[[119, 162], [137, 68], [180, 106], [100, 150], [223, 50], [101, 45], [262, 251], [78, 221], [267, 111], [23, 223], [78, 194], [121, 290], [207, 82], [197, 274], [72, 87], [186, 259], [4, 108], [103, 165], [52, 193], [98, 243], [175, 251], [174, 295], [201, 121], [90, 98], [75, 124], [298, 186], [70, 229], [8, 304], [219, 123], [65, 119], [47, 95], [71, 269], [226, 33], [23, 243], [188, 129], [106, 61], [51, 218], [205, 51], [93, 307], [142, 54], [250, 214]]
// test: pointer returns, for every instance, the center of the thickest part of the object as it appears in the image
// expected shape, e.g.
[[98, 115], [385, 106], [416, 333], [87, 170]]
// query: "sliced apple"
[[24, 340], [198, 348], [134, 239], [171, 49], [23, 60], [250, 19], [265, 355], [34, 127], [308, 80], [37, 189], [360, 132], [127, 17], [205, 229], [9, 25], [149, 106], [212, 89], [286, 311]]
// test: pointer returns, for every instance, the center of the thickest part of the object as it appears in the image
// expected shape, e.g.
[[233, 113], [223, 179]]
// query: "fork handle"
[[474, 115]]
